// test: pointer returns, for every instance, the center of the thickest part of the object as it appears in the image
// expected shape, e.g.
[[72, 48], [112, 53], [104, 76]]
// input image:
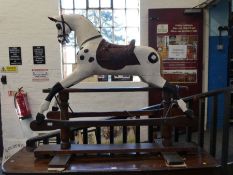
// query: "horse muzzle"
[[63, 39]]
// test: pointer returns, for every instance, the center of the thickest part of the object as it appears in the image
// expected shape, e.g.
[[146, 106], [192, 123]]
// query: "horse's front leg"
[[56, 103], [71, 80], [45, 104]]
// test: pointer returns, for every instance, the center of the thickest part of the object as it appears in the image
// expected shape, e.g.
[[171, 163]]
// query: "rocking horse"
[[99, 57]]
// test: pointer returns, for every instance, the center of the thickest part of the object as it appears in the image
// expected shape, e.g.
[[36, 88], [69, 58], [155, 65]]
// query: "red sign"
[[178, 39], [177, 46]]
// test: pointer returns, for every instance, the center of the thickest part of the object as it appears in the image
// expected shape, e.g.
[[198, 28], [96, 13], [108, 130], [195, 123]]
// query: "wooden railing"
[[198, 99]]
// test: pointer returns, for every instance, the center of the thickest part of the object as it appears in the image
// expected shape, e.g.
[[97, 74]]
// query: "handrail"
[[30, 143], [114, 89], [138, 89], [195, 97], [132, 89], [55, 114], [59, 124], [208, 94]]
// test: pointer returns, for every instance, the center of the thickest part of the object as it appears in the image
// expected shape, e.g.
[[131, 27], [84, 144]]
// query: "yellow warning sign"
[[9, 69]]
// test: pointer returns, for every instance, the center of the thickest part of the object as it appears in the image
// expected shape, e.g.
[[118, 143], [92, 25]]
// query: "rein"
[[63, 22], [89, 39], [64, 35], [63, 25]]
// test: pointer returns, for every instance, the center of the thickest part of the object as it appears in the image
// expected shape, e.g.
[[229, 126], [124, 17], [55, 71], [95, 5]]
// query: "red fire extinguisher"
[[21, 104]]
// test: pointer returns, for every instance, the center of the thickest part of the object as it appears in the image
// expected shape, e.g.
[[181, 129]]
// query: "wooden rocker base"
[[52, 150]]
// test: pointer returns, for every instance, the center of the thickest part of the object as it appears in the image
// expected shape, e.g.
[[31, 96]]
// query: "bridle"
[[63, 35]]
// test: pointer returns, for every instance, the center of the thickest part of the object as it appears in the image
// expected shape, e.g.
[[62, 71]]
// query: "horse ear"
[[52, 19]]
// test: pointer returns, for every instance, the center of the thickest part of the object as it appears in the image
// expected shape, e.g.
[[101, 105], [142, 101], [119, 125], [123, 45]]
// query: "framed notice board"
[[38, 54], [15, 56], [178, 38]]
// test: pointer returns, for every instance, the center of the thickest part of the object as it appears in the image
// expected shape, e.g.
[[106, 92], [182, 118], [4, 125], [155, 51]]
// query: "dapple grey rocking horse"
[[99, 57]]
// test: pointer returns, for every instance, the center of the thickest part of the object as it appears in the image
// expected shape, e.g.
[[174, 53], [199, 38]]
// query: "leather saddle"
[[115, 57]]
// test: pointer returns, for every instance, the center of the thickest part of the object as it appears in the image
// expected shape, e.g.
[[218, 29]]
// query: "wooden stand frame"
[[65, 148], [143, 161]]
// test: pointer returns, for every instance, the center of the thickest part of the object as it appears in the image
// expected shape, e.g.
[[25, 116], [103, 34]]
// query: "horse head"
[[83, 28], [63, 29]]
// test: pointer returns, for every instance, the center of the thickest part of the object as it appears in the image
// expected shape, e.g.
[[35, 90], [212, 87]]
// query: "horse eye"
[[58, 26]]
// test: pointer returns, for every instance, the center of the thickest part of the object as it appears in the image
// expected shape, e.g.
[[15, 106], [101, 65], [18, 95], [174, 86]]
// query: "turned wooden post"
[[65, 132], [166, 130]]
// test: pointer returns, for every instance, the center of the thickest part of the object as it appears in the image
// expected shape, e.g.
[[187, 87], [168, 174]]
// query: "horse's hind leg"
[[173, 89], [160, 82]]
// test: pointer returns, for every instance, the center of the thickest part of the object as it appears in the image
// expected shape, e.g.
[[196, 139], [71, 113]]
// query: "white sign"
[[177, 51], [40, 75], [162, 28]]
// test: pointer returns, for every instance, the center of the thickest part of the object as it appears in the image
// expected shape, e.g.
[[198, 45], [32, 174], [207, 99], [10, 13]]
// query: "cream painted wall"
[[24, 23]]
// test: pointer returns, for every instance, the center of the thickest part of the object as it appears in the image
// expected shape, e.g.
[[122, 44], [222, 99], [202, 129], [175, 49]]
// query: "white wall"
[[24, 24]]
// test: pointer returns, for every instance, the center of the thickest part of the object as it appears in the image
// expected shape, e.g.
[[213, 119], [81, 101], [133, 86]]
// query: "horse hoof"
[[189, 113], [54, 108], [40, 118]]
